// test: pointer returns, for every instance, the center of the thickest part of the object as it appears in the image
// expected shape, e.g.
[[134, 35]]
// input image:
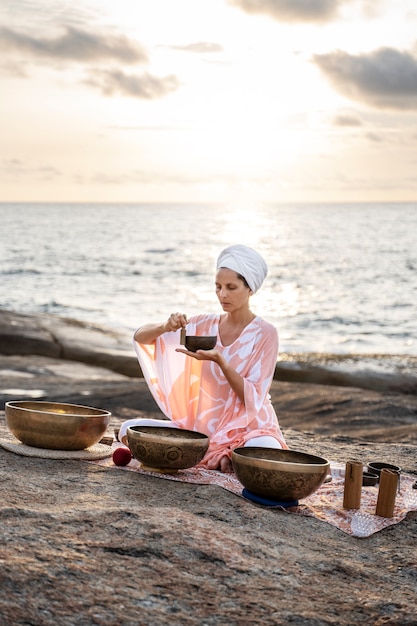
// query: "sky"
[[232, 101]]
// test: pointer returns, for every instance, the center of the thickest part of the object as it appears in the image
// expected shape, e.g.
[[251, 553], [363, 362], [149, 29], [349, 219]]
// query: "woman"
[[223, 392]]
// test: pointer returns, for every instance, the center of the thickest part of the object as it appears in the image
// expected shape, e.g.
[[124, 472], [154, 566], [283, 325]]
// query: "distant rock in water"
[[73, 340]]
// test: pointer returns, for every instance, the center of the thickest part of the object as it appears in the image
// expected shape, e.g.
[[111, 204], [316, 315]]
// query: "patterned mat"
[[95, 452], [326, 504]]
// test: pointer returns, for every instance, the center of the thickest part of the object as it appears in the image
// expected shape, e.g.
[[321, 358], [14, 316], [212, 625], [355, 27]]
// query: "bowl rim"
[[153, 431], [201, 336], [378, 466], [18, 404], [290, 465]]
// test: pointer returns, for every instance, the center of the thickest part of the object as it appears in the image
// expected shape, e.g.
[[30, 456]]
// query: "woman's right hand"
[[147, 333], [176, 321]]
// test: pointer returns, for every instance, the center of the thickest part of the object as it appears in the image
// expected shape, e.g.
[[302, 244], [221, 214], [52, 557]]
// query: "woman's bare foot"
[[226, 465]]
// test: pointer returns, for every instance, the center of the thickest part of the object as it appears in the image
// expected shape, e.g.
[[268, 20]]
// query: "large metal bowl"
[[283, 475], [56, 425], [162, 448]]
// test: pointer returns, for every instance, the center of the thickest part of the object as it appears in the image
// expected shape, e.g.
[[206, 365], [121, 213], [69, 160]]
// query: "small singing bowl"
[[369, 479], [284, 475], [376, 468], [56, 425], [196, 342], [166, 449]]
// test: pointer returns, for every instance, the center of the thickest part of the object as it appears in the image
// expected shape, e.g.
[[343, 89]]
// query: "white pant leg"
[[265, 441], [143, 421]]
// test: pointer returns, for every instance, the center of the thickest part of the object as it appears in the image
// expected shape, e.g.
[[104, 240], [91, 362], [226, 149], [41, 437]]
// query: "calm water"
[[343, 278]]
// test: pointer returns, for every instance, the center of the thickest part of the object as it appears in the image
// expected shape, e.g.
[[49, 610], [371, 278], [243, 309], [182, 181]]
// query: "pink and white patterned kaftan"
[[196, 395]]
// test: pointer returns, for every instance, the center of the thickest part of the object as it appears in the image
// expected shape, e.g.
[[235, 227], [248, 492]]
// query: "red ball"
[[122, 456]]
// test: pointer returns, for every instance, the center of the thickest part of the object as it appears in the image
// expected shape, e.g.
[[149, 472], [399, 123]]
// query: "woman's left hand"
[[201, 355]]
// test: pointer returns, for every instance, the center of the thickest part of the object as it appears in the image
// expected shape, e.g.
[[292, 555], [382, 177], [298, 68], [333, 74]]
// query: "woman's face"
[[231, 291]]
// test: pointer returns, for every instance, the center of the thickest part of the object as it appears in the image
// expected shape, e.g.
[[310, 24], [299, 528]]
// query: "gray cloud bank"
[[79, 46], [74, 45], [385, 78], [291, 10]]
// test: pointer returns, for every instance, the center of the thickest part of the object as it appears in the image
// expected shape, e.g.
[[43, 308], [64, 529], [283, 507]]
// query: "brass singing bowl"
[[200, 342], [369, 479], [376, 468], [56, 425], [161, 448], [284, 475]]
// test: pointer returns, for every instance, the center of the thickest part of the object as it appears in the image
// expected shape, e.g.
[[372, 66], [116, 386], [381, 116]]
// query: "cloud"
[[346, 120], [200, 47], [79, 46], [74, 45], [13, 68], [375, 137], [385, 78], [144, 86], [13, 170], [291, 10]]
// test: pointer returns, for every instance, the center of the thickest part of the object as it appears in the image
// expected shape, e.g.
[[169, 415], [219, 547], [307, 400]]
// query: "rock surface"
[[83, 544], [67, 339]]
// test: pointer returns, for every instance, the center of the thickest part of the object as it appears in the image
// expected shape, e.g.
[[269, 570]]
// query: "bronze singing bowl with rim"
[[56, 425], [200, 342], [369, 479], [161, 448], [284, 475], [376, 467]]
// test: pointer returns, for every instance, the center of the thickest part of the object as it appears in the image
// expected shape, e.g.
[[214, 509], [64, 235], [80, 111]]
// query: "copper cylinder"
[[353, 485], [388, 485]]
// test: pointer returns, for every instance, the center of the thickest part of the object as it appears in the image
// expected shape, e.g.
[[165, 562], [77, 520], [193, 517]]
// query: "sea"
[[342, 277]]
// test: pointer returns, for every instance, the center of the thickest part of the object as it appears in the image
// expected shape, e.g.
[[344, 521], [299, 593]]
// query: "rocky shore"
[[73, 340], [83, 544]]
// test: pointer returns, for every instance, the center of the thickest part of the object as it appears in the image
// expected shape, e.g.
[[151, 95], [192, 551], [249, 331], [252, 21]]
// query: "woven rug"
[[95, 452], [326, 504]]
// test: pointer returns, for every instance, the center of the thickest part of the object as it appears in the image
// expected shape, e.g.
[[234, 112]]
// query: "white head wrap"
[[246, 262]]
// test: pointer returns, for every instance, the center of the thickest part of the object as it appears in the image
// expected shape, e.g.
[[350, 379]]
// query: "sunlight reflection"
[[283, 302], [243, 224]]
